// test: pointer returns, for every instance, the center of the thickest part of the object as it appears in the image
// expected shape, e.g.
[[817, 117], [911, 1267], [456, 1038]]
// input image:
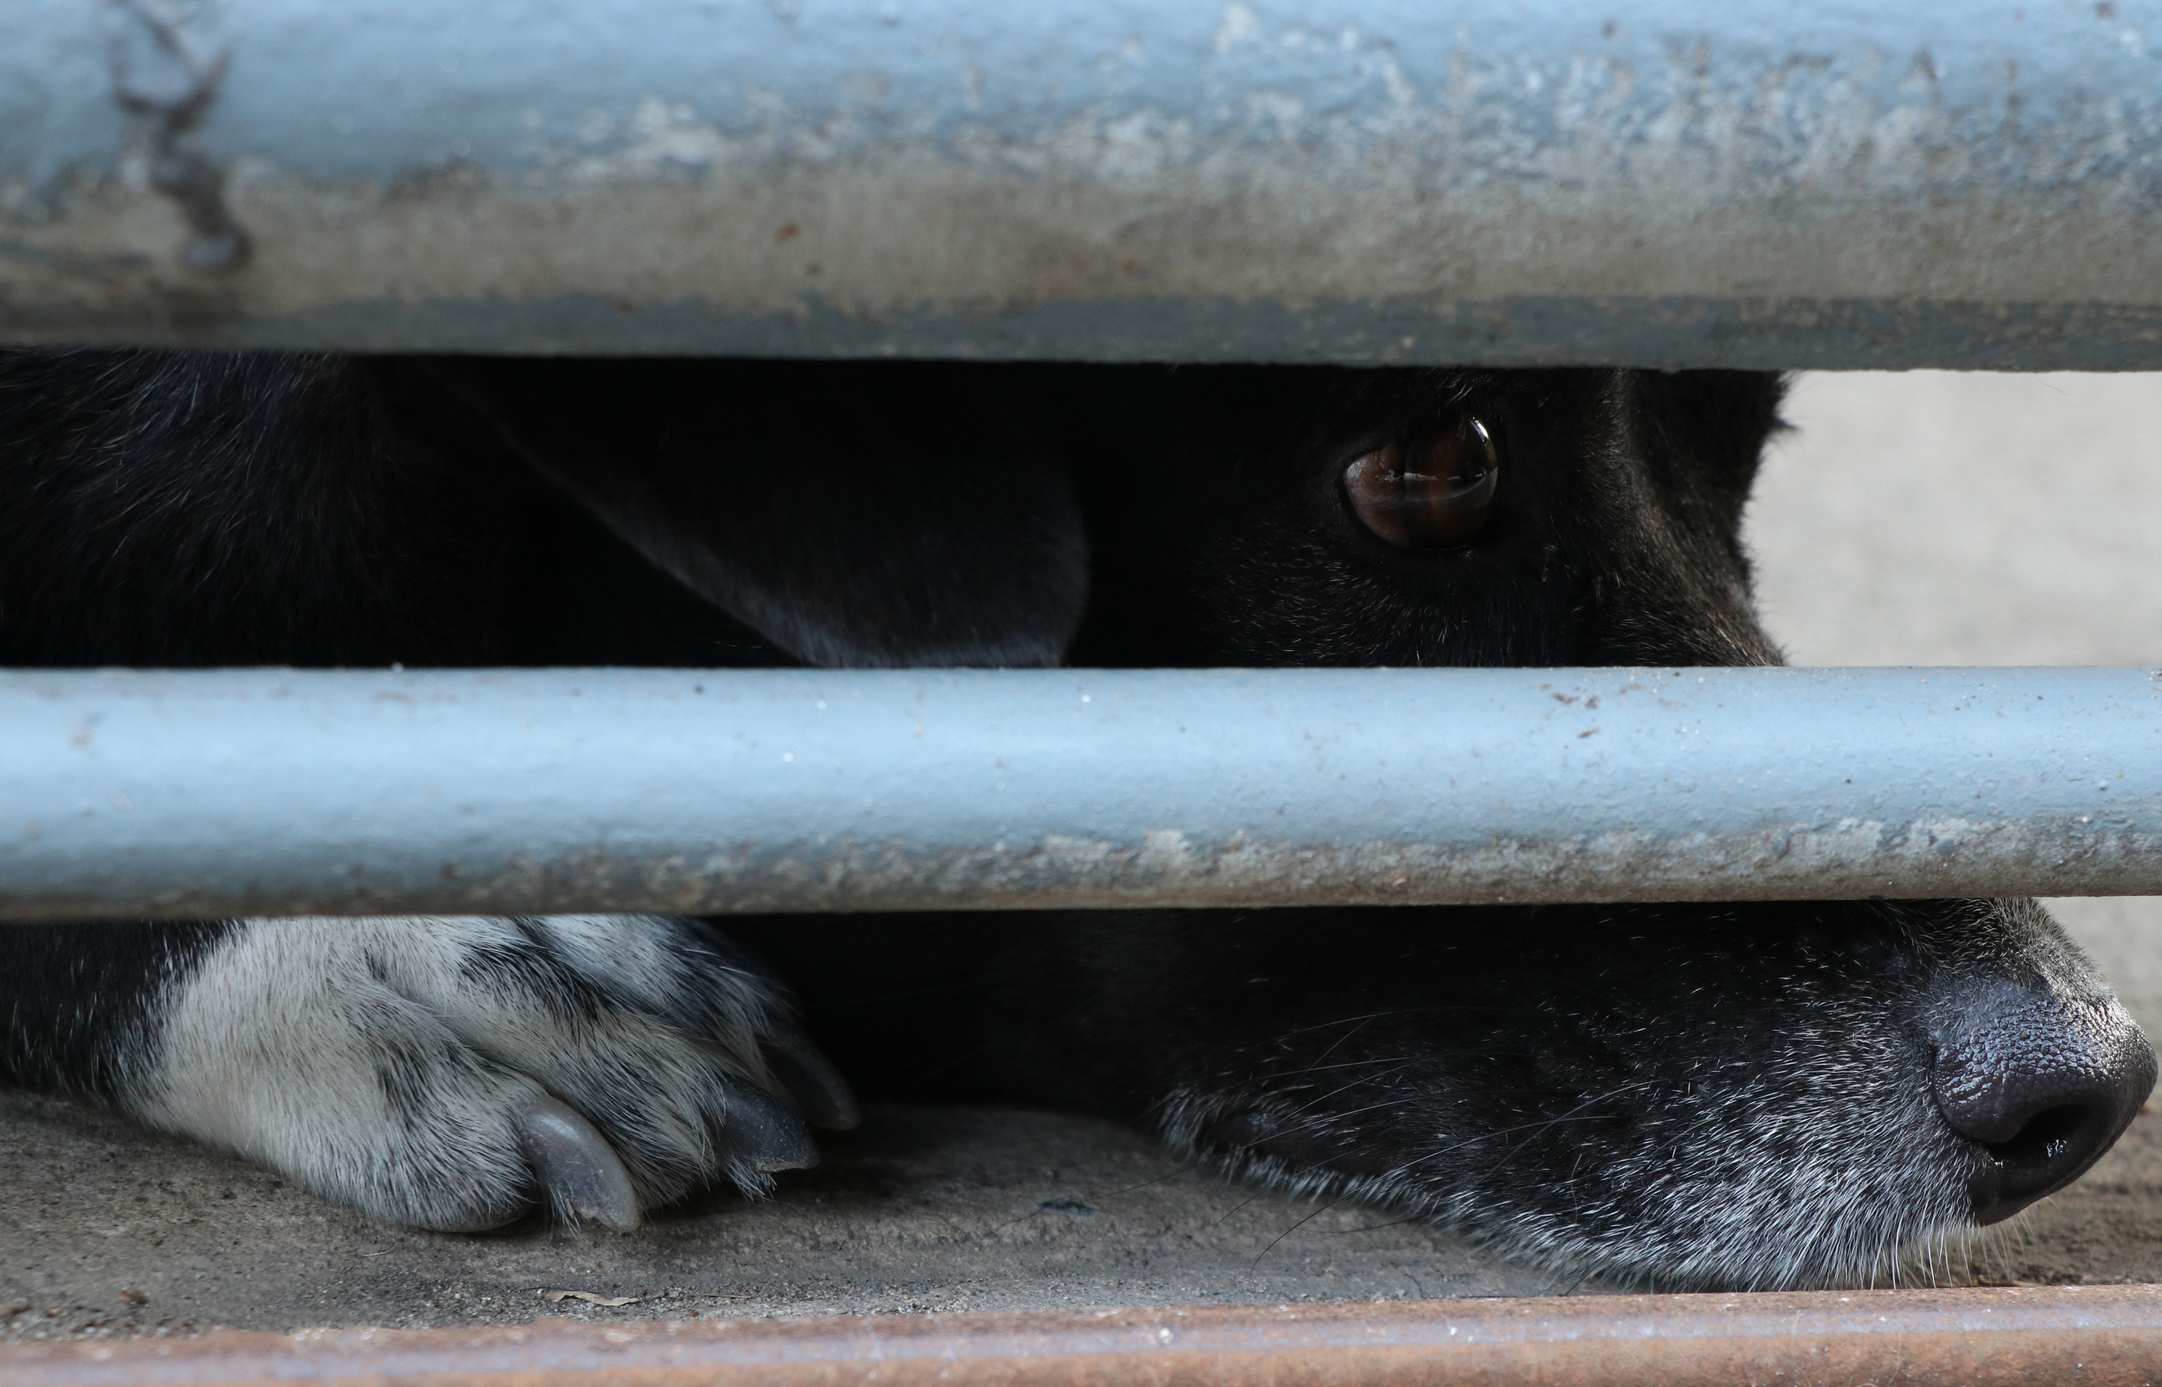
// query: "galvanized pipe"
[[1668, 182], [213, 793], [2107, 1336]]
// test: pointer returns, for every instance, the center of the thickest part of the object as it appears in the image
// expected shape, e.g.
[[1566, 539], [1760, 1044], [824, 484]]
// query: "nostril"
[[2053, 1149], [2050, 1137]]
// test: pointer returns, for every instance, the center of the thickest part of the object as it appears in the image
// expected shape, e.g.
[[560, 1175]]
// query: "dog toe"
[[579, 1172], [760, 1134], [809, 1078]]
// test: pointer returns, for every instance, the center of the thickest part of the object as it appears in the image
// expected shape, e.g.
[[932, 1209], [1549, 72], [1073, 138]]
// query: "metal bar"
[[1668, 182], [2110, 1336], [210, 793]]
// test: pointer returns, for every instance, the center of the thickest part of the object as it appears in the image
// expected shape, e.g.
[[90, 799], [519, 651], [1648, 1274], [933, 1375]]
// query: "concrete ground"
[[1924, 518]]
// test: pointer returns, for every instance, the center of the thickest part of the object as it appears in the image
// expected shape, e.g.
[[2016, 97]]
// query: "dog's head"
[[1679, 1095], [1746, 1096], [902, 514]]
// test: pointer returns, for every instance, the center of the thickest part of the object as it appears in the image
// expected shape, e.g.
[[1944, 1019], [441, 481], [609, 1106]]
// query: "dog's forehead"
[[1333, 393], [1258, 412]]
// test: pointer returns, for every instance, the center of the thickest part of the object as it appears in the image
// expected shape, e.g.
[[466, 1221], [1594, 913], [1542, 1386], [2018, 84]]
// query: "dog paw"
[[451, 1072]]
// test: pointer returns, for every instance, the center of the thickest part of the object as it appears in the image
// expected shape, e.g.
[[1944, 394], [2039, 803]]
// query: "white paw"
[[449, 1072]]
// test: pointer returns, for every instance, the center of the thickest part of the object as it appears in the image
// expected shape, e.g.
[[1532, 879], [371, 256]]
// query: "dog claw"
[[760, 1133], [820, 1093], [581, 1173]]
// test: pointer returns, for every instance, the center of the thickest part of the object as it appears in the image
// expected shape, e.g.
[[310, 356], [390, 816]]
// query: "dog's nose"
[[2043, 1083]]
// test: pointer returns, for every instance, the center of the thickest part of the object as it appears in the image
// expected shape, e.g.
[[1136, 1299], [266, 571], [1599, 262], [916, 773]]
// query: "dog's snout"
[[2044, 1084]]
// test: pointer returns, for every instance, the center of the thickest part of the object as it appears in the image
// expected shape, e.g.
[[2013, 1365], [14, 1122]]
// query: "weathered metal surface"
[[1668, 182], [227, 792], [2108, 1336]]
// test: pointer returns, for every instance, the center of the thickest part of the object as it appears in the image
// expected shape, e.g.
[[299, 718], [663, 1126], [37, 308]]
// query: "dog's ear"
[[858, 515]]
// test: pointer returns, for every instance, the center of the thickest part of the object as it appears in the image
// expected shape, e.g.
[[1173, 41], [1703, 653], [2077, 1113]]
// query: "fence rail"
[[227, 792], [2110, 1336], [1669, 182]]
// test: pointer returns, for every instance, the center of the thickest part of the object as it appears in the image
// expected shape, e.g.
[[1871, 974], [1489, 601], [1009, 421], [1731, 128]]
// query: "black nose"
[[2043, 1083]]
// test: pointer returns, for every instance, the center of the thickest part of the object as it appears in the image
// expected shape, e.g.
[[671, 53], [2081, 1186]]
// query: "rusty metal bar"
[[2102, 1336], [206, 793], [1668, 182]]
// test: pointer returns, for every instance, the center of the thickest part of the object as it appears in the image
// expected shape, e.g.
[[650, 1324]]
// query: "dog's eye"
[[1431, 492]]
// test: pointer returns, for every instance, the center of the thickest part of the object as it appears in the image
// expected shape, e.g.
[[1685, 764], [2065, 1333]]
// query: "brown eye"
[[1430, 493]]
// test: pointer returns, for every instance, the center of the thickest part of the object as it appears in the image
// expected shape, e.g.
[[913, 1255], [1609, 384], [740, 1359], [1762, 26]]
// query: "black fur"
[[76, 996], [1684, 1095]]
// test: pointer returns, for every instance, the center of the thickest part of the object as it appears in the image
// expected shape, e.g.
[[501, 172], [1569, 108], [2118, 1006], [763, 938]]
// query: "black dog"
[[1749, 1095]]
